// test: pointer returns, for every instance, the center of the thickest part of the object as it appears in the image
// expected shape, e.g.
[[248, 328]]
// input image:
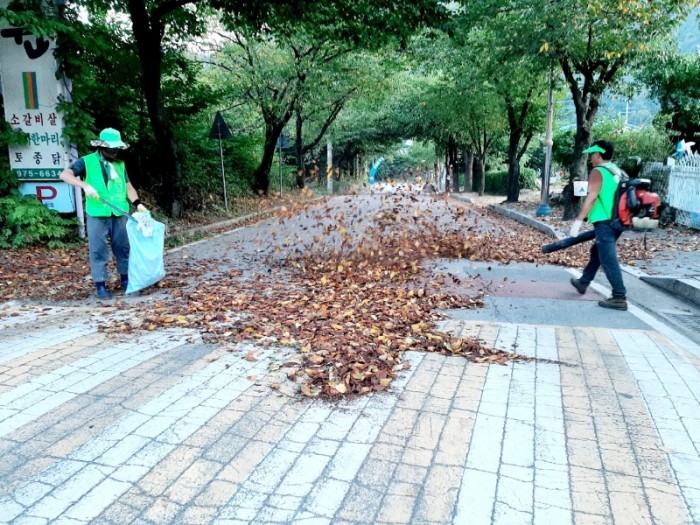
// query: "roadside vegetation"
[[365, 76]]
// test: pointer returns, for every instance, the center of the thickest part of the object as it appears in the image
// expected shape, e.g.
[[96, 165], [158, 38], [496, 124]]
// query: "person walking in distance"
[[598, 208], [103, 178]]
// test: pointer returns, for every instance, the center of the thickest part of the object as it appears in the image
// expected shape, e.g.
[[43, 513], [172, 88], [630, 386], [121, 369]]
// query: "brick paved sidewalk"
[[158, 428]]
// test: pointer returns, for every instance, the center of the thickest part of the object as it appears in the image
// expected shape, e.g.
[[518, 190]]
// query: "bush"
[[528, 179], [25, 221], [497, 181]]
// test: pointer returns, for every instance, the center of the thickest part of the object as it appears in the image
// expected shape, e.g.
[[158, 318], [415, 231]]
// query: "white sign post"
[[30, 94]]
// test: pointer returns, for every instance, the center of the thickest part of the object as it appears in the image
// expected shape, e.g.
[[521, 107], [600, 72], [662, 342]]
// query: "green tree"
[[290, 77], [520, 81], [392, 108], [593, 42], [674, 80], [318, 34]]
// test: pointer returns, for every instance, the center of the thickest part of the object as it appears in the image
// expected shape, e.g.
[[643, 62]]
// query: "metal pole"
[[280, 162], [79, 211], [78, 195], [223, 176], [329, 168], [544, 209]]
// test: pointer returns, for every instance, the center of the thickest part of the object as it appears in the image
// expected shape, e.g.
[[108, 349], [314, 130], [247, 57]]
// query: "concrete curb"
[[527, 220], [236, 220], [462, 198], [689, 289], [208, 227], [225, 224]]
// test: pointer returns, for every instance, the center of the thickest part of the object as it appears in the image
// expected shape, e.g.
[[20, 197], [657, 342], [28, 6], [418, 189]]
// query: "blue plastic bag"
[[147, 239]]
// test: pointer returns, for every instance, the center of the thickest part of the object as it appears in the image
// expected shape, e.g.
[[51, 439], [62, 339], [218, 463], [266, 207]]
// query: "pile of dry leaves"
[[353, 297]]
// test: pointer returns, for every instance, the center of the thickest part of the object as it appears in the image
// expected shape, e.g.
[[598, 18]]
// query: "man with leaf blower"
[[598, 207], [104, 182]]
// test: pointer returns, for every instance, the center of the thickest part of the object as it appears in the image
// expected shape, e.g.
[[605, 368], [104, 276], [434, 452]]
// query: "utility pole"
[[544, 209], [223, 174]]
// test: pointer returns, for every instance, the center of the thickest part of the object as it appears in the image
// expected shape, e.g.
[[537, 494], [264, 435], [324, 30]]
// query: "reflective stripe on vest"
[[114, 191]]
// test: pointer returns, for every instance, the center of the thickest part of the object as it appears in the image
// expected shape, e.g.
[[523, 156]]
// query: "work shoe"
[[580, 288], [102, 291], [614, 303]]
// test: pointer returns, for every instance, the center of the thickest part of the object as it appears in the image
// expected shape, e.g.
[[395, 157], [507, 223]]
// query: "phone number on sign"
[[38, 174]]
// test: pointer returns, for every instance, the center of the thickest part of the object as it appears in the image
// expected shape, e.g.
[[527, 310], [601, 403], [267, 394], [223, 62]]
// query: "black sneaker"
[[614, 303], [102, 292], [580, 288]]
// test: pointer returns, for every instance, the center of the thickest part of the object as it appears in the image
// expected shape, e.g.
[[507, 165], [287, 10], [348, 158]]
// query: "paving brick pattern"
[[602, 428]]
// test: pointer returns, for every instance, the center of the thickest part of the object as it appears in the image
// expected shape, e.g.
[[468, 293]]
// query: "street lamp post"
[[544, 209]]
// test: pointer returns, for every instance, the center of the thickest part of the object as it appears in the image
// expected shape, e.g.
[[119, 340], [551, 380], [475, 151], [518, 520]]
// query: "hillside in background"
[[689, 34]]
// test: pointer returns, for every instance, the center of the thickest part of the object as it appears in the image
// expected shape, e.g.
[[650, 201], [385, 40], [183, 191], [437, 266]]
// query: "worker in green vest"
[[103, 178], [597, 208]]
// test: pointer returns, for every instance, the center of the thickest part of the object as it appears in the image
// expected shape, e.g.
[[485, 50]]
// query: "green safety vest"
[[114, 192], [603, 207]]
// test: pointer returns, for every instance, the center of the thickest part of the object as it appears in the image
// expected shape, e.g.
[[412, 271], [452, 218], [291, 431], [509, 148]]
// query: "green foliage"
[[395, 109], [649, 143], [8, 137], [528, 179], [25, 221], [674, 80], [418, 156], [202, 165], [563, 148], [497, 181]]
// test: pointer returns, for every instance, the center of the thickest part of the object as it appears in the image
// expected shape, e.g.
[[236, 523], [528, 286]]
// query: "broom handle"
[[116, 208]]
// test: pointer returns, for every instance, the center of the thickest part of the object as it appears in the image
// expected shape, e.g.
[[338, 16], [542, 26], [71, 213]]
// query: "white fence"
[[684, 190]]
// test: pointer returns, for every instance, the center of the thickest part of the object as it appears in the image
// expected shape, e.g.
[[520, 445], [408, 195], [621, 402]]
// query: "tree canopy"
[[470, 78]]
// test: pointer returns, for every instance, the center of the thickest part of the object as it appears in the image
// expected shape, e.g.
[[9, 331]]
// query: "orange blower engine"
[[637, 206]]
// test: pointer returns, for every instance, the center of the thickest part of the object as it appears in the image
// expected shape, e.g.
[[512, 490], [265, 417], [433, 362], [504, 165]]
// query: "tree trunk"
[[516, 123], [468, 169], [480, 173], [579, 167], [513, 183], [586, 103], [299, 151], [515, 153], [147, 34], [261, 184], [452, 181], [299, 144]]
